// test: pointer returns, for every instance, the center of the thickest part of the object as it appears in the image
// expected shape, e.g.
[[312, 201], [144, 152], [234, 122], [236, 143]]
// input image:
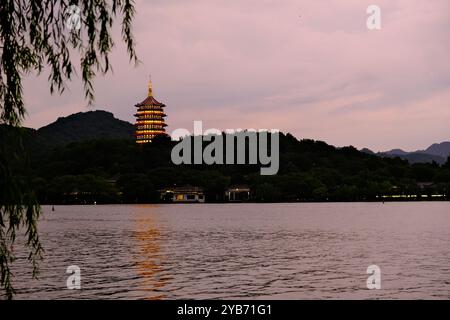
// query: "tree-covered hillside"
[[83, 126], [110, 171], [92, 157]]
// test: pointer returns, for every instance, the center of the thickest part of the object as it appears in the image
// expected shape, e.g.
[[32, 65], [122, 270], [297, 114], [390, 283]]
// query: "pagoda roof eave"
[[150, 101]]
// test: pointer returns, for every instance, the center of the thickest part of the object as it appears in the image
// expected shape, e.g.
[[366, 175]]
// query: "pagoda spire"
[[150, 86]]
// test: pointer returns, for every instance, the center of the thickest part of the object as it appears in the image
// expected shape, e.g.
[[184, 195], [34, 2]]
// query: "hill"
[[415, 157], [92, 157], [439, 149], [108, 171], [84, 126], [437, 152]]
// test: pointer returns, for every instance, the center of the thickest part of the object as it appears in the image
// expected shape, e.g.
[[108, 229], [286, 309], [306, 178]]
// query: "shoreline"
[[244, 202]]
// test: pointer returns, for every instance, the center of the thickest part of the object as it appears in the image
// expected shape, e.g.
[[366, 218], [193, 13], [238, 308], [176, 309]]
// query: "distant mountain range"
[[437, 152]]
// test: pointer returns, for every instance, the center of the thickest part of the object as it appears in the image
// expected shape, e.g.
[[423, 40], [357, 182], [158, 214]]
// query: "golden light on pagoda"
[[150, 118]]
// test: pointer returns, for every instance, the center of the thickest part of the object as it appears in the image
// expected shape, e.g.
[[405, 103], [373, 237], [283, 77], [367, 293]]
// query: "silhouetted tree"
[[33, 34]]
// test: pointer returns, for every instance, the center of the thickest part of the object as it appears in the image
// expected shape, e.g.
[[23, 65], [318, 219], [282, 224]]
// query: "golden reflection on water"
[[150, 258]]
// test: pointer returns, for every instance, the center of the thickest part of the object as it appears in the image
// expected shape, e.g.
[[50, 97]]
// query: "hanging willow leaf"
[[34, 36]]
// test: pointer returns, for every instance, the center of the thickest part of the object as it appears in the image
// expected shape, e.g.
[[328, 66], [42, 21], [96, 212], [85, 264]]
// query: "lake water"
[[242, 251]]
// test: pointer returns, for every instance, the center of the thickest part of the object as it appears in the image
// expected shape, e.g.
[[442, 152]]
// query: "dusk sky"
[[311, 68]]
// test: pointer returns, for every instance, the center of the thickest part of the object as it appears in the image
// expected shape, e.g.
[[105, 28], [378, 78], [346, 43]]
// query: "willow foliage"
[[61, 36]]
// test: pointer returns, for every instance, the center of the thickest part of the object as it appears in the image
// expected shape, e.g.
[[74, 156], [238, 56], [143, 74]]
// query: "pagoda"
[[150, 118]]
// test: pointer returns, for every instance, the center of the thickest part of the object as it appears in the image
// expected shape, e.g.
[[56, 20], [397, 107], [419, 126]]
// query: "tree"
[[34, 35], [447, 164], [137, 188]]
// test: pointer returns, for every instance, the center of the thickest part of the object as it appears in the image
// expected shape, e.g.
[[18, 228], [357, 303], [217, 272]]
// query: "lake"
[[242, 251]]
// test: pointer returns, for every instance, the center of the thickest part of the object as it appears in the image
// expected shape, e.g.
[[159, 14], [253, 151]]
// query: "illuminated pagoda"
[[150, 118]]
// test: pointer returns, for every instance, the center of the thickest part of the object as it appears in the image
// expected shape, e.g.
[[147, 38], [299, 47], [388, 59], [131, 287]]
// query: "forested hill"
[[84, 126], [81, 126], [80, 169]]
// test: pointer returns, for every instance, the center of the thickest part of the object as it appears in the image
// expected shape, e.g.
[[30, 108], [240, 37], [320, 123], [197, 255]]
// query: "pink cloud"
[[308, 67]]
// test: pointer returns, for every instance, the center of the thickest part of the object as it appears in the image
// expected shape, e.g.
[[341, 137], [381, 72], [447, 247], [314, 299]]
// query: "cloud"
[[308, 67]]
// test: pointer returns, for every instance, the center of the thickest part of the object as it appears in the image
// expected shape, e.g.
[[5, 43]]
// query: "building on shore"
[[183, 194], [238, 193], [150, 118]]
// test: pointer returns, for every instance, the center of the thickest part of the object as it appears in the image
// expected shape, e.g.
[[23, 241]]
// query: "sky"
[[310, 68]]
